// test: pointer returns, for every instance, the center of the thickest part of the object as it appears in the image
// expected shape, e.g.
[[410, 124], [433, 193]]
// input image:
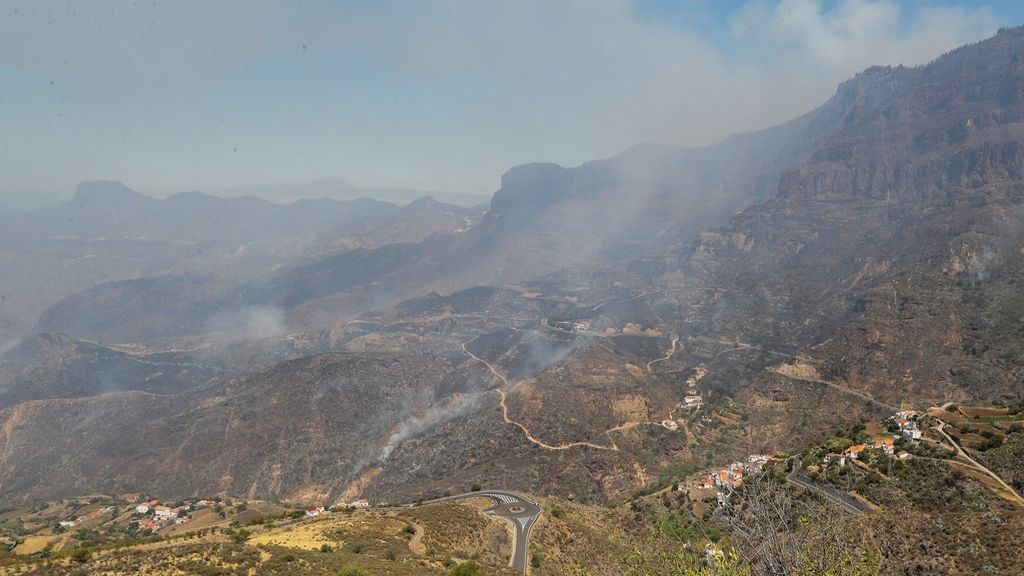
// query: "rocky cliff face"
[[863, 256]]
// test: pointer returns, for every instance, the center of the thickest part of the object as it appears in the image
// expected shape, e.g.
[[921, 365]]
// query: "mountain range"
[[861, 258]]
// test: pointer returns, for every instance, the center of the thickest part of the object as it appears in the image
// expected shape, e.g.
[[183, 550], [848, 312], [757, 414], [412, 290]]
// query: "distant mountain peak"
[[192, 196], [423, 202], [529, 187], [106, 191]]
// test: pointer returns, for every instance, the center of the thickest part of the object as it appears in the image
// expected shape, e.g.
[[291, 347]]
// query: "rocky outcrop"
[[864, 253]]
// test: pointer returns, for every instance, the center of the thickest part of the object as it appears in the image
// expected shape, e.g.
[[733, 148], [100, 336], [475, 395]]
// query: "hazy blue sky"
[[427, 94]]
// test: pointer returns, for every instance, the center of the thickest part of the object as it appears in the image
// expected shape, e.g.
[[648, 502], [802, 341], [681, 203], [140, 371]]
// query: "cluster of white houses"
[[573, 327], [883, 443], [906, 422], [163, 515], [152, 515], [315, 511], [721, 482], [693, 399]]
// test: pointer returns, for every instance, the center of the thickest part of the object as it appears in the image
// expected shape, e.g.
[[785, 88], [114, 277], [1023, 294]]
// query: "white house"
[[854, 451], [164, 513], [885, 444], [912, 433], [693, 401], [755, 462]]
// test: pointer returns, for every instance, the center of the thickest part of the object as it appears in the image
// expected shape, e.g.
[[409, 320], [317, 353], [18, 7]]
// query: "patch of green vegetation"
[[681, 527], [1007, 460], [990, 442], [926, 485], [683, 563], [469, 568]]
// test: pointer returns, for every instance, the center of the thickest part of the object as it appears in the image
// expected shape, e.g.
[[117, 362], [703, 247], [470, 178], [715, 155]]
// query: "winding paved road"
[[847, 502], [519, 511]]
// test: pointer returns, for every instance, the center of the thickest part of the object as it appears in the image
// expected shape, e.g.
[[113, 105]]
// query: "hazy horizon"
[[442, 96], [705, 287], [18, 202]]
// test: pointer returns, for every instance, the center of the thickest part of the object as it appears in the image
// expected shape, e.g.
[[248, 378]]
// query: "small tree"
[[80, 554]]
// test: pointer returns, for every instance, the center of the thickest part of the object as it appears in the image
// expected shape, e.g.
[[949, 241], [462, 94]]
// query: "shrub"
[[80, 554], [470, 568]]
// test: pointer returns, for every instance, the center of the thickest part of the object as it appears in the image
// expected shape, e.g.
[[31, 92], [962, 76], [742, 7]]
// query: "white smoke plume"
[[250, 323], [8, 345], [419, 422]]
